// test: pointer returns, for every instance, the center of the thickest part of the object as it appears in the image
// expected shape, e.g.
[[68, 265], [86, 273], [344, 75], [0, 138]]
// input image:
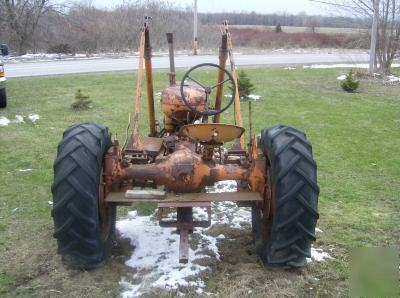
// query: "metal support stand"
[[184, 223], [185, 227]]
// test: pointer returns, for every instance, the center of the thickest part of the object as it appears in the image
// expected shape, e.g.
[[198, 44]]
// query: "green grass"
[[355, 137]]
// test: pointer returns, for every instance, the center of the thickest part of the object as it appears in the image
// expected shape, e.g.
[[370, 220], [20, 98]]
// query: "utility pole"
[[374, 33], [195, 28]]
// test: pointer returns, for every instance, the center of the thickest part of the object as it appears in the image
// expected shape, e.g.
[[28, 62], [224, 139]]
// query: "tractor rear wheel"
[[83, 225], [285, 227], [3, 98]]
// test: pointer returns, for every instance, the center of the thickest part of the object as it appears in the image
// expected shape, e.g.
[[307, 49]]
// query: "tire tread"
[[77, 171], [296, 197]]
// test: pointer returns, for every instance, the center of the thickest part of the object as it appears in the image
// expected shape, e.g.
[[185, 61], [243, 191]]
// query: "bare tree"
[[388, 40], [22, 17], [388, 34]]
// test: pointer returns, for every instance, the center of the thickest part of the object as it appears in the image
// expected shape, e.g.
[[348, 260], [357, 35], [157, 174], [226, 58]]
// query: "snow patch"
[[4, 121], [348, 65], [17, 209], [33, 117], [319, 255], [24, 170], [19, 119], [39, 55], [156, 254], [156, 250], [254, 96], [393, 78]]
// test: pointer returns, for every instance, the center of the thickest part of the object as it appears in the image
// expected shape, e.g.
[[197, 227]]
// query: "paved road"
[[60, 67]]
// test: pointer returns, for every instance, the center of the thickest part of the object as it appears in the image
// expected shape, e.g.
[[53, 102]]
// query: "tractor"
[[175, 163]]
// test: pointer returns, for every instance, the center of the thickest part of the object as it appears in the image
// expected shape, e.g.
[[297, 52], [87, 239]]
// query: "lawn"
[[355, 137]]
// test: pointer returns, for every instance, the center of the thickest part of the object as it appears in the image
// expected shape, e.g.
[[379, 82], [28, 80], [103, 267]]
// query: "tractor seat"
[[211, 132]]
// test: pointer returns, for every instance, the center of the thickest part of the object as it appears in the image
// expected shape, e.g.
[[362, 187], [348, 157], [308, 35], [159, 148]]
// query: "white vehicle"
[[3, 93]]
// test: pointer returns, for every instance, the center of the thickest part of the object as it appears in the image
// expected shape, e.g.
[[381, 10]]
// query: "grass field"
[[355, 137]]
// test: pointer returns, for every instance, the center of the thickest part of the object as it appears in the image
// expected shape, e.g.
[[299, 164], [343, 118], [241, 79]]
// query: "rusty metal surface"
[[138, 96], [174, 204], [149, 83], [181, 200], [175, 223], [238, 113], [184, 245], [149, 145], [132, 196], [185, 226], [211, 132], [213, 197], [175, 110], [221, 75], [185, 171]]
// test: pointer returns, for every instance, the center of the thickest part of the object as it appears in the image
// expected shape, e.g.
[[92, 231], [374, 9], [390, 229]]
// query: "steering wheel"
[[208, 90]]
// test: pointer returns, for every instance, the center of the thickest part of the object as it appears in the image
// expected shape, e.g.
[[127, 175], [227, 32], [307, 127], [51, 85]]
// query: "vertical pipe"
[[221, 75], [195, 28], [250, 122], [238, 114], [170, 40], [149, 78]]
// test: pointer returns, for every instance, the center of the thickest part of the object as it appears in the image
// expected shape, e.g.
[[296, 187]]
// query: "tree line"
[[45, 25], [284, 19]]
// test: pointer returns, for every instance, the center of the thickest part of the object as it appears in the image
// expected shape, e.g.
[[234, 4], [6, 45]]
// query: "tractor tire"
[[84, 233], [3, 98], [285, 227]]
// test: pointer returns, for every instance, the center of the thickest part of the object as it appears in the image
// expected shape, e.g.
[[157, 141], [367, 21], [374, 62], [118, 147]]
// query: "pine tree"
[[82, 101], [244, 85], [349, 84]]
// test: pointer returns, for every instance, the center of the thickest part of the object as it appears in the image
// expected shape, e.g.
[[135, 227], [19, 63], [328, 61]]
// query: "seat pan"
[[211, 132]]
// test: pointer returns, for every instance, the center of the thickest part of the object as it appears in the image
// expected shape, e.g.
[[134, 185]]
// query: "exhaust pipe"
[[172, 80]]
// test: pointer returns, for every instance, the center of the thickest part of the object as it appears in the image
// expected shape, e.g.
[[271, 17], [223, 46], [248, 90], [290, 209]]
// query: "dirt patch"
[[242, 273], [34, 269], [238, 273]]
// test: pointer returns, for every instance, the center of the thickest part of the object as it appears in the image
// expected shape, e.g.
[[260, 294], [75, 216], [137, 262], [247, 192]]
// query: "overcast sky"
[[260, 6]]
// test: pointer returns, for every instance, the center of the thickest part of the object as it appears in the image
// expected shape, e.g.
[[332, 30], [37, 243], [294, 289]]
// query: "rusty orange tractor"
[[172, 166]]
